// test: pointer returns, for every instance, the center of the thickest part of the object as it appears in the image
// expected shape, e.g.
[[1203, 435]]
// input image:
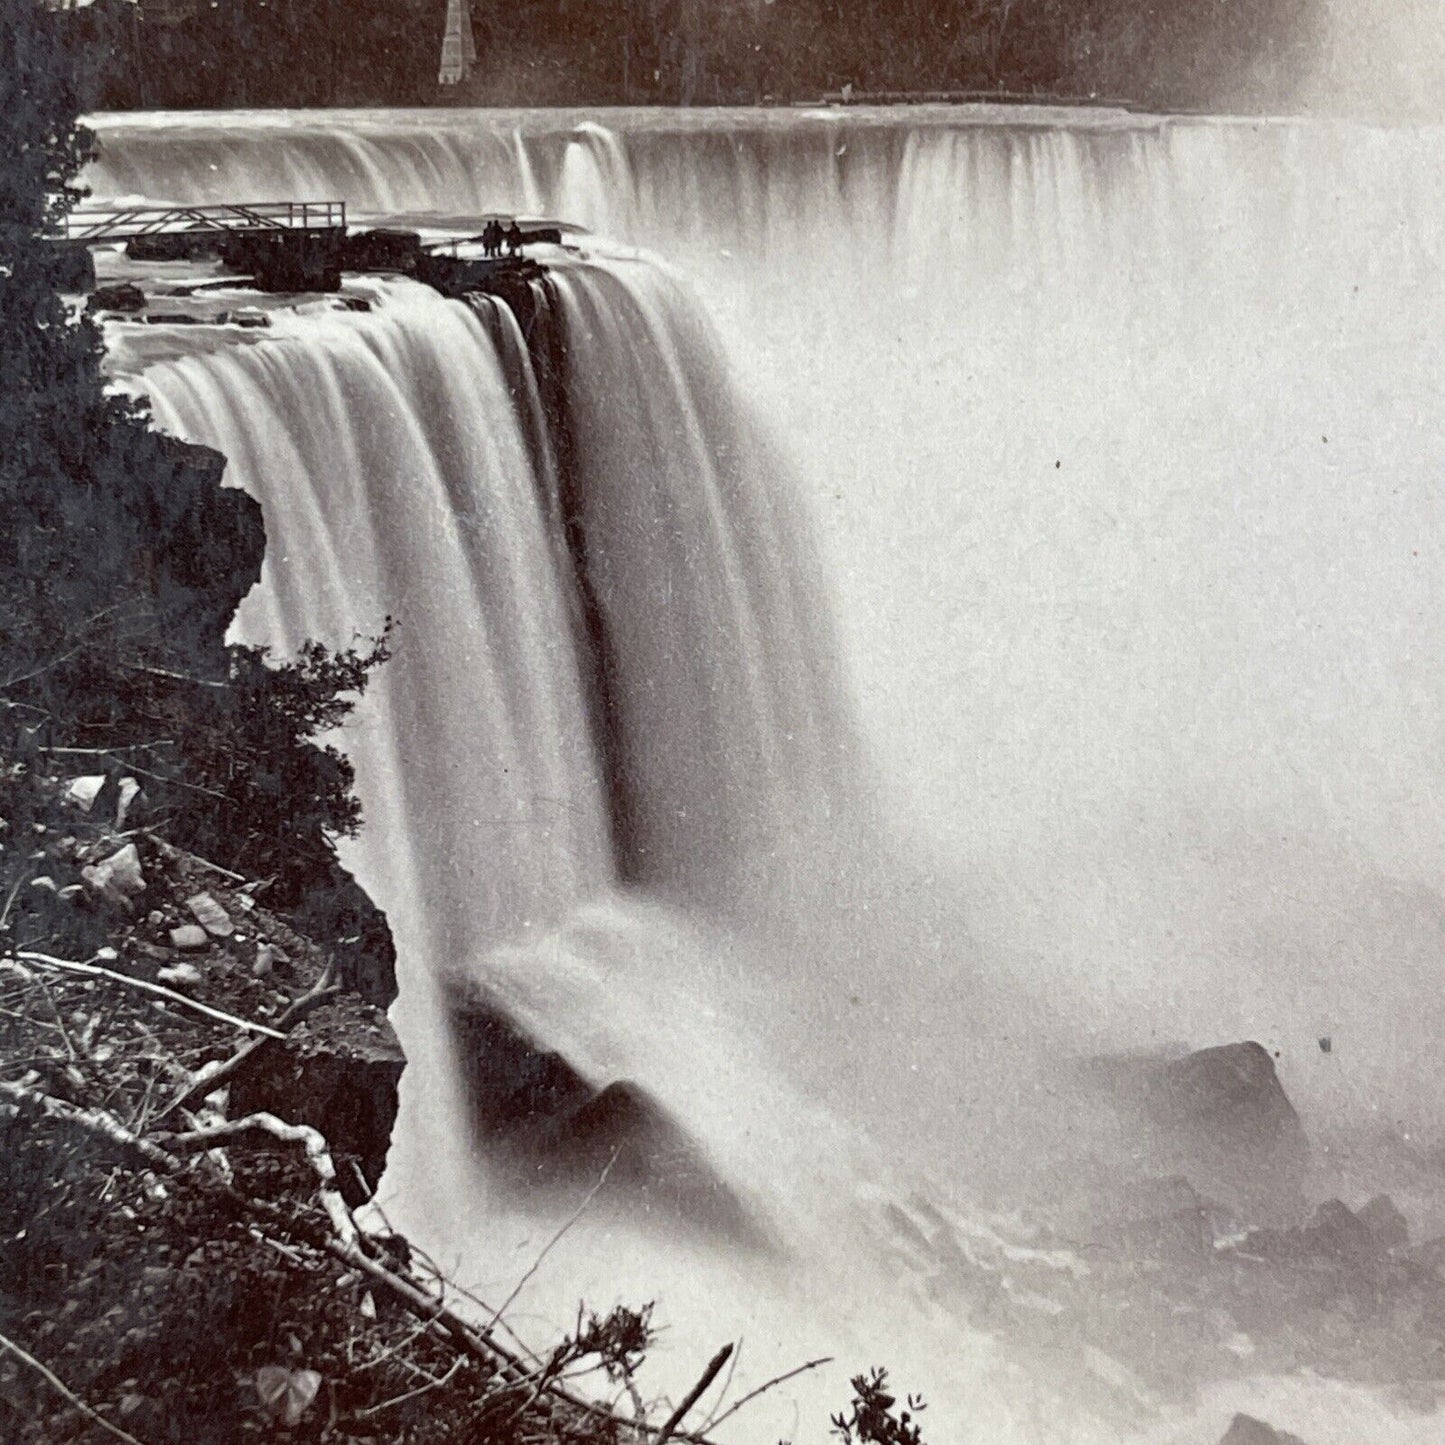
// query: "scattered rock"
[[84, 791], [268, 957], [127, 801], [1385, 1222], [189, 936], [183, 973], [250, 317], [118, 878], [120, 296], [210, 915], [1246, 1430]]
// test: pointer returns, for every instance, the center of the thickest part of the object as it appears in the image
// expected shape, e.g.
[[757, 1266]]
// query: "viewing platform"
[[292, 247], [95, 226]]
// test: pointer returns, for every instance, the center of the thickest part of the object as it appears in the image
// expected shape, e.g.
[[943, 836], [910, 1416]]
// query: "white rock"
[[180, 973], [84, 791], [211, 916], [188, 935], [129, 792], [118, 877]]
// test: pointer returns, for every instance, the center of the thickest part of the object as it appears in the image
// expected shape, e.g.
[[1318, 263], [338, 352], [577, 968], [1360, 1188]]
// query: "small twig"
[[402, 1344], [412, 1394], [91, 970], [714, 1368], [175, 676], [763, 1389], [110, 752], [170, 850], [552, 1243], [20, 880], [59, 1385]]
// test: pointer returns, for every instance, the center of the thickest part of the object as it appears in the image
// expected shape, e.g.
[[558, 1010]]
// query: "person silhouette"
[[514, 239], [492, 238]]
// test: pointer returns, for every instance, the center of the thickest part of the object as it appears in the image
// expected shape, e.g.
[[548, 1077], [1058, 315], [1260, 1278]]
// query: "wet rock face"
[[556, 1131], [338, 1071], [1219, 1118]]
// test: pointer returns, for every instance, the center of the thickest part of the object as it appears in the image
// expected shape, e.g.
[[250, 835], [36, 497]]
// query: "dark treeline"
[[1177, 54]]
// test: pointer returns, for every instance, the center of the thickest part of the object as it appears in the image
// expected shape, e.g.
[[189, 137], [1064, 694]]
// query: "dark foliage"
[[1185, 54], [873, 1418]]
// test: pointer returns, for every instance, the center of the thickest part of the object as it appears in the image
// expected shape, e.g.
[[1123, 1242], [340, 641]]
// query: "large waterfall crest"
[[1114, 438]]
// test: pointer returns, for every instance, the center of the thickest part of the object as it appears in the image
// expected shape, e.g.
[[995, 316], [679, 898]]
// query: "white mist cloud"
[[1383, 57]]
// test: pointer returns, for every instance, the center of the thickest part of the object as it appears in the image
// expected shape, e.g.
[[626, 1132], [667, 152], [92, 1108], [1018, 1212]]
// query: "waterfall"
[[1015, 567]]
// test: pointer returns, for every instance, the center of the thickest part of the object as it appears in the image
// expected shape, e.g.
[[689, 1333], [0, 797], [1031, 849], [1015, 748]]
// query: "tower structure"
[[459, 50]]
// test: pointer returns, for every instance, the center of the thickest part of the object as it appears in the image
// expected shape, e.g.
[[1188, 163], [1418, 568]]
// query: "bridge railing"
[[93, 225]]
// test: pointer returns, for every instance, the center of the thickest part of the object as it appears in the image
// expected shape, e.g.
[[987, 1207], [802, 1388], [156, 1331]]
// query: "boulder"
[[172, 246], [1334, 1235], [338, 1071], [1336, 1232], [1219, 1118], [84, 791], [382, 250], [128, 802], [1385, 1222], [118, 879], [1246, 1430], [189, 936], [120, 296], [536, 1114]]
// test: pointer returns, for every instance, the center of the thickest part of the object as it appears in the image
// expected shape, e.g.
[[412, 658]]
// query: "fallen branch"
[[94, 1121], [318, 1155], [208, 1082], [345, 1244], [169, 850], [93, 970], [61, 1388], [714, 1365]]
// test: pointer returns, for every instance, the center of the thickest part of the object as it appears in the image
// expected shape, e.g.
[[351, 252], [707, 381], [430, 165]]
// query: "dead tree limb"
[[764, 1388], [207, 1083], [690, 1399], [318, 1155], [94, 970]]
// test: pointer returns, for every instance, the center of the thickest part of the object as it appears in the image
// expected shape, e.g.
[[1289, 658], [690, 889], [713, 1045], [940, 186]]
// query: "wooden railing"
[[97, 226]]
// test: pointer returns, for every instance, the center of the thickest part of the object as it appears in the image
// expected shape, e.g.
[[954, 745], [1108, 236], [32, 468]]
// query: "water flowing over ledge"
[[1056, 441]]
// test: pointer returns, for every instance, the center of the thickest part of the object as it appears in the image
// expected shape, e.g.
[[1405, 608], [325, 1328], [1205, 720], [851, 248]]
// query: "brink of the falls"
[[1001, 638]]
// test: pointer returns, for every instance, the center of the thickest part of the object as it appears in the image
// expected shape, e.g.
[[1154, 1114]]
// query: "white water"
[[1122, 436]]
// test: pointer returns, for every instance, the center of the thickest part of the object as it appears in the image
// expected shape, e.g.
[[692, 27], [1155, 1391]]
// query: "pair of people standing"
[[494, 234]]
